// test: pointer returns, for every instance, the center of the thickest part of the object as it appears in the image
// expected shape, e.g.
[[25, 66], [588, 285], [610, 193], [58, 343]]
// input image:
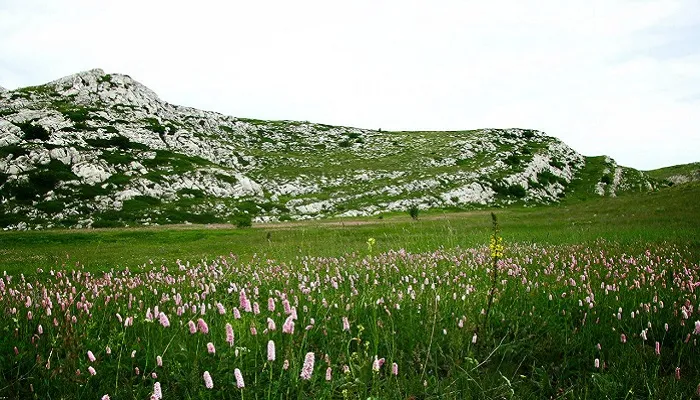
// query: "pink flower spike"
[[159, 361], [308, 367], [229, 334], [597, 363], [193, 327], [271, 350], [285, 365], [329, 373], [210, 348], [202, 326], [157, 392], [678, 373], [288, 326], [207, 380], [239, 378], [91, 356], [92, 371], [346, 324], [657, 348], [163, 319], [105, 397], [395, 369]]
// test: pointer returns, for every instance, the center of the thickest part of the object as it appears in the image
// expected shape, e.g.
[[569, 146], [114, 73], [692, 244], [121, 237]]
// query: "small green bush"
[[413, 212], [32, 131], [242, 221]]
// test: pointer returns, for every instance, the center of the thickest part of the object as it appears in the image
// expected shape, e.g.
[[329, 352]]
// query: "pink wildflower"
[[285, 365], [92, 371], [395, 369], [202, 326], [157, 393], [163, 319], [271, 350], [657, 348], [271, 324], [239, 378], [245, 303], [346, 324], [377, 364], [210, 348], [253, 330], [288, 326], [270, 304], [229, 334], [207, 380], [308, 367], [105, 397], [91, 356], [596, 363], [40, 329], [623, 338], [159, 361], [678, 373], [236, 313], [329, 372], [192, 326], [697, 328]]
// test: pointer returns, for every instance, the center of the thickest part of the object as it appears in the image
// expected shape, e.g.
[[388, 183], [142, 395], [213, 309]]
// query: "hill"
[[677, 174], [102, 150]]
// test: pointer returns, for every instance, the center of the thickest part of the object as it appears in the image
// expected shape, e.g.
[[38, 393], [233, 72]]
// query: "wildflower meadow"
[[502, 319]]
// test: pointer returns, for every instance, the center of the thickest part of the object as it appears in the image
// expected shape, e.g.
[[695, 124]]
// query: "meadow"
[[593, 299]]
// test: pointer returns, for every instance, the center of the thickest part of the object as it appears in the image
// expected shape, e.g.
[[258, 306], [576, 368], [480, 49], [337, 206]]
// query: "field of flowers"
[[601, 320]]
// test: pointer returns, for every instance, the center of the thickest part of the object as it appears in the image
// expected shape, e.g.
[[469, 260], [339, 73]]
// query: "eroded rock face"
[[97, 149]]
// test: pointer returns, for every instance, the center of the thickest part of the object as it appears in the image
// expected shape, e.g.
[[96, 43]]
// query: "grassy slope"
[[669, 214], [667, 172]]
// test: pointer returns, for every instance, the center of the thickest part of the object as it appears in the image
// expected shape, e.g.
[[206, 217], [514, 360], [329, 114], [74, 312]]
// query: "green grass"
[[413, 297], [691, 170], [666, 215]]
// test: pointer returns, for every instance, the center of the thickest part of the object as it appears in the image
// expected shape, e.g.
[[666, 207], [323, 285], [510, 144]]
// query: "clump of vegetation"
[[413, 212], [242, 220], [517, 191], [41, 181], [33, 132]]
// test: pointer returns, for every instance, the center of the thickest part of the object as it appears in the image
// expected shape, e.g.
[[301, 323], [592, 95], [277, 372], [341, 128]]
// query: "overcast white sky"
[[615, 77]]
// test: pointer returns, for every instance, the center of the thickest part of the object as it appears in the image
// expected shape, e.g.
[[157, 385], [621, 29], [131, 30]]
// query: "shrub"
[[32, 131], [517, 191], [413, 212], [512, 160], [242, 221]]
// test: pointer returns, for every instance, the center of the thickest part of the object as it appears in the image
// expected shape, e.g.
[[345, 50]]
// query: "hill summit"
[[100, 150]]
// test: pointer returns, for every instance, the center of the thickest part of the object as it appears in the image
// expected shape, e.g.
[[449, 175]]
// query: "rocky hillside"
[[677, 174], [97, 150]]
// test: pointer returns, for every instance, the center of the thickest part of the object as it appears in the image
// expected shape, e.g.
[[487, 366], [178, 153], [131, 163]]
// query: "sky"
[[613, 77]]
